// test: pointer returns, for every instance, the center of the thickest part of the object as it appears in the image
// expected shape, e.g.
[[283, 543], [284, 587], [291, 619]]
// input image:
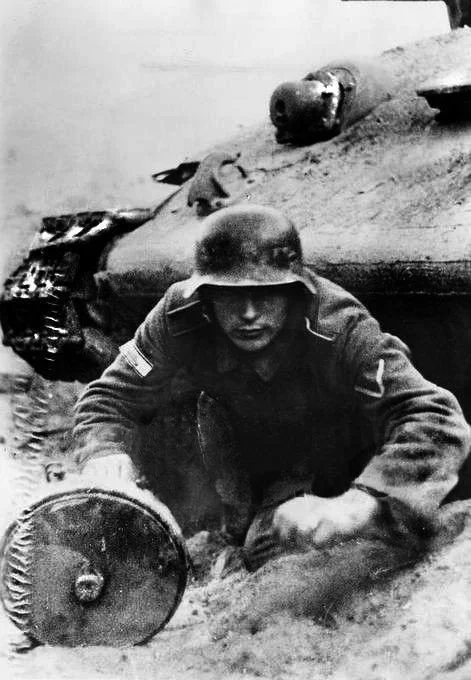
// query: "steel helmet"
[[248, 245]]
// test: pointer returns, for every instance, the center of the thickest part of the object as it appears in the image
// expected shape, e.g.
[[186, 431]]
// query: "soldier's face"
[[250, 317]]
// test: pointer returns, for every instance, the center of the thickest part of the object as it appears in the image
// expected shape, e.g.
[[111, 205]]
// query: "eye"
[[224, 295]]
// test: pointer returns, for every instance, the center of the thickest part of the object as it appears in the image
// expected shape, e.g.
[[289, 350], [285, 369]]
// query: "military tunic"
[[334, 400]]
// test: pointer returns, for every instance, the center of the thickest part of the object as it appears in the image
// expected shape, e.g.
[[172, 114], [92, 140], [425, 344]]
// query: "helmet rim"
[[196, 281]]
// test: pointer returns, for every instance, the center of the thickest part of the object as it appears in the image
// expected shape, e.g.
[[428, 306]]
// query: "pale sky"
[[97, 94]]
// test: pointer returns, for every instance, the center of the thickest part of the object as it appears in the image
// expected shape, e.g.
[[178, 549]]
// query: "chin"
[[255, 345]]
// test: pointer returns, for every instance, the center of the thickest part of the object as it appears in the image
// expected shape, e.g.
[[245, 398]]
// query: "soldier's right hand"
[[111, 469], [308, 521]]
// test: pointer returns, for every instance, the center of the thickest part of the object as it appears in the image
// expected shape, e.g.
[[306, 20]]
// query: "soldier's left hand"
[[310, 521]]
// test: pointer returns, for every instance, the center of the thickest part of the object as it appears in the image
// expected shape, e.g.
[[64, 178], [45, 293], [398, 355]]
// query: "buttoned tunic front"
[[334, 400]]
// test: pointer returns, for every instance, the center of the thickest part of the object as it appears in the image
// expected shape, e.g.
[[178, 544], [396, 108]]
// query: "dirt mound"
[[415, 625]]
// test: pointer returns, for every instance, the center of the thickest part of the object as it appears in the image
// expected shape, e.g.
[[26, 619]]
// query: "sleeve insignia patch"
[[135, 358], [377, 388]]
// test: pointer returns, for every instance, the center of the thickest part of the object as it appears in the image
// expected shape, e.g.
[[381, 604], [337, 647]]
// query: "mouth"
[[249, 333]]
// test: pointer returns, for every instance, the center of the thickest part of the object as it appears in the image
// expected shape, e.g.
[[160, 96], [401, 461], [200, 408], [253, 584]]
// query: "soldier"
[[324, 419]]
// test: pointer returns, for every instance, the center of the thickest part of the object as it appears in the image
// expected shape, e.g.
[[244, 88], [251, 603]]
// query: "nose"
[[249, 311]]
